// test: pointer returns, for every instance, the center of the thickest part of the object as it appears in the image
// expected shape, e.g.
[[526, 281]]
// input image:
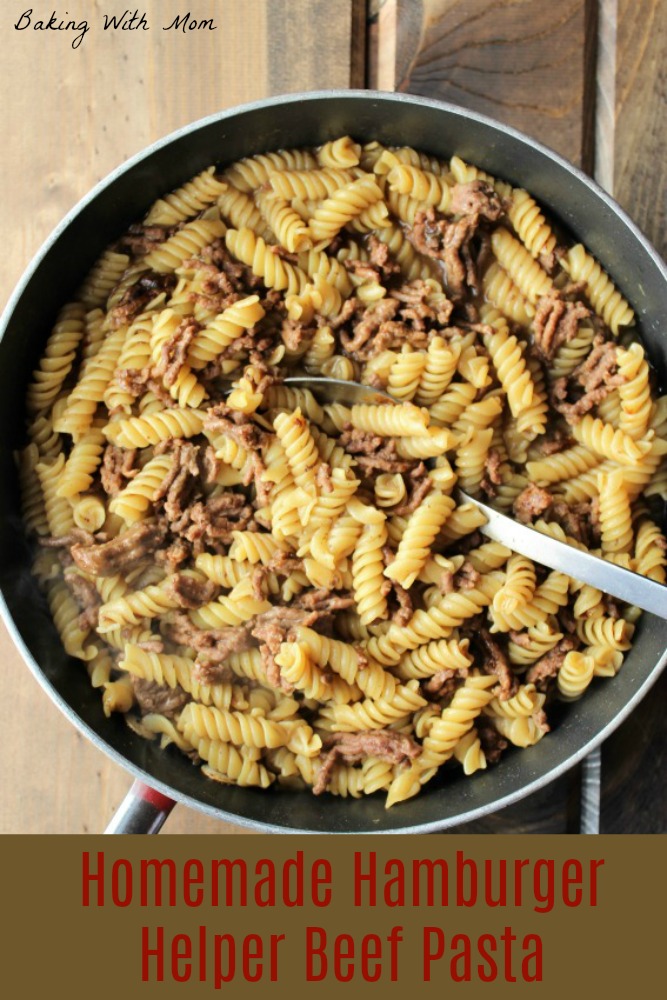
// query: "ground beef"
[[549, 665], [210, 523], [469, 542], [477, 197], [559, 440], [214, 645], [373, 452], [420, 484], [380, 258], [138, 295], [373, 318], [209, 465], [402, 316], [139, 240], [467, 577], [531, 502], [580, 520], [174, 554], [323, 602], [138, 381], [449, 241], [349, 308], [77, 536], [284, 564], [364, 270], [281, 563], [493, 744], [403, 611], [174, 352], [600, 367], [241, 278], [445, 582], [556, 322], [492, 475], [612, 608], [217, 292], [443, 684], [86, 596], [191, 591], [271, 629], [396, 748], [239, 426], [294, 334], [597, 376], [417, 310], [122, 553], [180, 483], [242, 429], [117, 468], [323, 478], [496, 662], [152, 697]]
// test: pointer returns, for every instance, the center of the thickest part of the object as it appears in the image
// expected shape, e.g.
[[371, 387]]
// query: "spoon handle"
[[606, 576]]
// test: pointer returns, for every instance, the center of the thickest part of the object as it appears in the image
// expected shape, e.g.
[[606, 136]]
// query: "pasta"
[[285, 588]]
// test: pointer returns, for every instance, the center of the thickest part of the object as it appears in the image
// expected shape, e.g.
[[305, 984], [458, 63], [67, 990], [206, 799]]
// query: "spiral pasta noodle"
[[523, 270], [183, 244], [367, 569], [420, 533], [634, 392], [187, 200], [254, 251], [58, 358], [605, 298], [529, 224], [343, 206], [610, 442]]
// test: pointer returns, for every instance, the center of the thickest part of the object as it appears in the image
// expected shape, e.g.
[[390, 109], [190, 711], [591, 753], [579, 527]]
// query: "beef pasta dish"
[[282, 587]]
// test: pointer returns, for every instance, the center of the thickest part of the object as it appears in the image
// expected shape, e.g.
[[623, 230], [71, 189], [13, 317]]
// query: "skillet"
[[587, 212]]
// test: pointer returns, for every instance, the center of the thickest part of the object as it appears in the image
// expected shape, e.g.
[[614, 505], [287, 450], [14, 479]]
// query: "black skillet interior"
[[307, 120]]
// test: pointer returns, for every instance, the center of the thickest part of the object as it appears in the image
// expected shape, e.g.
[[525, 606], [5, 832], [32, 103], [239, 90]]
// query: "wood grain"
[[75, 115], [640, 164], [69, 117], [521, 61]]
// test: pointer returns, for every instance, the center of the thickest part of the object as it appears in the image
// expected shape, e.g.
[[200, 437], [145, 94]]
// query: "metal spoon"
[[606, 576]]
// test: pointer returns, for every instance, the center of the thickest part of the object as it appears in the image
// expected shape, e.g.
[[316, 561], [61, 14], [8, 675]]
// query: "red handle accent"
[[152, 796], [143, 810]]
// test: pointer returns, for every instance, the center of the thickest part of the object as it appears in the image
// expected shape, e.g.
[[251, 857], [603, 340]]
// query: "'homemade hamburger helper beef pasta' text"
[[287, 590]]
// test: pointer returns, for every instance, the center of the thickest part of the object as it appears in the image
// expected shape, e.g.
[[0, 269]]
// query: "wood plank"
[[68, 118], [307, 52], [640, 138], [522, 62]]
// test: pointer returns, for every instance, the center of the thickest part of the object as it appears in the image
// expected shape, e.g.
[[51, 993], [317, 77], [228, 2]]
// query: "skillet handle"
[[143, 810]]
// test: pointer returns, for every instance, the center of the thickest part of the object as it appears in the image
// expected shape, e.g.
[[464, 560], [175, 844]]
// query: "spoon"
[[583, 566]]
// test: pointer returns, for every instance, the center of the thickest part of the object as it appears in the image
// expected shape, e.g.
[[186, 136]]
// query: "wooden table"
[[585, 77]]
